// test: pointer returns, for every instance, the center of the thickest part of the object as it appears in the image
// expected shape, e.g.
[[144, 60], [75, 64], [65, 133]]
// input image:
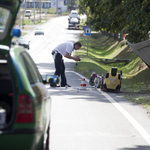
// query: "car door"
[[42, 97]]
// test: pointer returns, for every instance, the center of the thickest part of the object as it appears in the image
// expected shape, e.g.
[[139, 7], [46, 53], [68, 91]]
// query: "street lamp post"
[[34, 11], [19, 18], [40, 10], [57, 7]]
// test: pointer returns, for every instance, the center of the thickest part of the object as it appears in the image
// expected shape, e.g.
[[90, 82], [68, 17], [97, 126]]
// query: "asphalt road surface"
[[86, 119]]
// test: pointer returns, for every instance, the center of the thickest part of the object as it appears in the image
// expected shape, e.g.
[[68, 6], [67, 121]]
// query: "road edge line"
[[135, 124]]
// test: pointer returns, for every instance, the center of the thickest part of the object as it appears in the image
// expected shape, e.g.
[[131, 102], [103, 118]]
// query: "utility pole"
[[19, 19], [25, 6], [23, 13], [34, 11], [57, 7], [40, 10]]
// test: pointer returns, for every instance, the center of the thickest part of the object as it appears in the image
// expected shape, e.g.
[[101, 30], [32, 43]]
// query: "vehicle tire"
[[91, 81], [98, 82], [101, 85], [118, 88], [105, 87], [46, 145], [47, 140], [42, 146], [52, 84]]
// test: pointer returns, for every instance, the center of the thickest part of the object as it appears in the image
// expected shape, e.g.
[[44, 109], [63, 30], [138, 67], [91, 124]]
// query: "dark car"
[[74, 23], [25, 104]]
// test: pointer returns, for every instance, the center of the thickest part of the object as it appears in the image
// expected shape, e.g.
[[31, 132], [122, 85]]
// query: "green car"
[[25, 103]]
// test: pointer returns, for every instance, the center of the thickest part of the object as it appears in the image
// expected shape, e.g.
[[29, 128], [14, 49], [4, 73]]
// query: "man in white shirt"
[[64, 49]]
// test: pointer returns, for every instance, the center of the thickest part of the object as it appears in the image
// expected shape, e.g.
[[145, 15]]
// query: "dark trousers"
[[60, 69]]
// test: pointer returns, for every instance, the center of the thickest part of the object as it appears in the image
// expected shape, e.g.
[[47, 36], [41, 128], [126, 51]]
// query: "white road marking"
[[135, 124]]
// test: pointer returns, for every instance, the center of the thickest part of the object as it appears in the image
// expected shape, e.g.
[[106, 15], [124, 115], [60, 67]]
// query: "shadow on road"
[[137, 148]]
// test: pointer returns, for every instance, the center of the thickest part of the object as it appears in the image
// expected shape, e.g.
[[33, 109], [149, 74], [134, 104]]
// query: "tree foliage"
[[72, 2], [131, 17]]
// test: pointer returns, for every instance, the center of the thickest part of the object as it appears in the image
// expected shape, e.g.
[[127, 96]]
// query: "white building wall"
[[64, 9]]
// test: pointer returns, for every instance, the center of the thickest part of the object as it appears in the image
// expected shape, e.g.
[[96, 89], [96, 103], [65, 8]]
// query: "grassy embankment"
[[136, 78]]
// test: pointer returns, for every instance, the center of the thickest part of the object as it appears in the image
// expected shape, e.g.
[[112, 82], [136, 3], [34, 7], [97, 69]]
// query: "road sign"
[[87, 31], [84, 35], [54, 3], [85, 27]]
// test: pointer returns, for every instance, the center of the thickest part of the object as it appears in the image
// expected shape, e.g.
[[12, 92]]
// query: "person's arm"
[[71, 57]]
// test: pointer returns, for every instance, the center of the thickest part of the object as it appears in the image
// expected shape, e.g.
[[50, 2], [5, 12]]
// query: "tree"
[[129, 17]]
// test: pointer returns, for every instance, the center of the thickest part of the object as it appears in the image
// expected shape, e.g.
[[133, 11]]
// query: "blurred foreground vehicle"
[[25, 104]]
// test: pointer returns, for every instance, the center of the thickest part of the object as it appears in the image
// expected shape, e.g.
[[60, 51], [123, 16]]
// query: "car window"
[[4, 18], [4, 14], [30, 69]]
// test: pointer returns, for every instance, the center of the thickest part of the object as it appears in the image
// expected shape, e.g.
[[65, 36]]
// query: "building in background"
[[60, 3], [30, 4], [46, 4]]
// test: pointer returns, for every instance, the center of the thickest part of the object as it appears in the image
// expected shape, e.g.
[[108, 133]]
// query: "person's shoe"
[[65, 85], [57, 86], [68, 85]]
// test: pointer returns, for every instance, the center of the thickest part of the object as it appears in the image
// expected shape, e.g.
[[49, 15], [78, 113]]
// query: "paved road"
[[89, 119]]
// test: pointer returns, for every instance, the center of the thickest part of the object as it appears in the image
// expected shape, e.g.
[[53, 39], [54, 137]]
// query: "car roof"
[[74, 11], [10, 8]]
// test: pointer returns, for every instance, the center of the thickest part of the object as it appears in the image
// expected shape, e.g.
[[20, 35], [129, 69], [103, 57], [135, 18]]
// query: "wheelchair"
[[112, 80]]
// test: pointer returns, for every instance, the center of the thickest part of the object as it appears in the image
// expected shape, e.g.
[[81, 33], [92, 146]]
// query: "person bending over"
[[60, 51]]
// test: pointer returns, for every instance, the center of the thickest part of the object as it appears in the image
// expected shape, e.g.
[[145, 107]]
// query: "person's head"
[[77, 45]]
